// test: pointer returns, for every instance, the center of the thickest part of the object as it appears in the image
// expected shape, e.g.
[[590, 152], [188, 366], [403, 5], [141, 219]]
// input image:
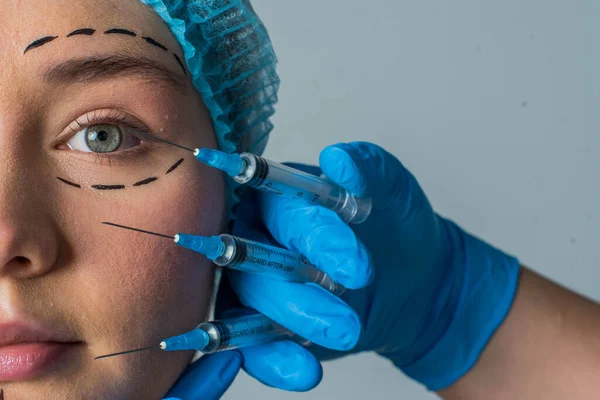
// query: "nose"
[[25, 250], [29, 239]]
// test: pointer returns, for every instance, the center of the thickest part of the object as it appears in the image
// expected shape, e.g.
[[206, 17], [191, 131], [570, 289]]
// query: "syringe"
[[266, 175], [214, 336], [245, 255]]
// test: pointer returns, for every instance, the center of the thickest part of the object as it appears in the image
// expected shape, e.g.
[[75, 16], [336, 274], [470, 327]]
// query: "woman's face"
[[76, 79]]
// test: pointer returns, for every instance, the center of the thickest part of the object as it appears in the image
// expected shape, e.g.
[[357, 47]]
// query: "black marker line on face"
[[85, 31], [108, 187], [174, 167], [180, 64], [154, 43], [69, 183], [119, 31], [39, 43], [146, 181]]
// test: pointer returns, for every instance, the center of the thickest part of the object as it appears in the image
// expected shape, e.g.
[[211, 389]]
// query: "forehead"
[[24, 21], [21, 16]]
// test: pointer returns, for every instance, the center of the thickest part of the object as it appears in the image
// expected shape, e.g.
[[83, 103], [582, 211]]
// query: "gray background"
[[491, 104]]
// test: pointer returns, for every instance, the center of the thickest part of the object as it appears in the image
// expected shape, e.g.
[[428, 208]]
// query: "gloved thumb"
[[367, 170]]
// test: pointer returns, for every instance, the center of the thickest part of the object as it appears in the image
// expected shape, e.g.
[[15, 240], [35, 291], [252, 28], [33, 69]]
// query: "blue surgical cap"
[[230, 57]]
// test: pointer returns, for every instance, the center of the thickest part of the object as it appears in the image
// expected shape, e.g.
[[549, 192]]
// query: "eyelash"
[[114, 117]]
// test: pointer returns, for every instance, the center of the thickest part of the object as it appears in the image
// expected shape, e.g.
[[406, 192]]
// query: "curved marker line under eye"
[[108, 187], [69, 183], [146, 181], [174, 167]]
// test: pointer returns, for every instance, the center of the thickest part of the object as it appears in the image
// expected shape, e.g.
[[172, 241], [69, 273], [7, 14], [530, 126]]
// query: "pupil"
[[102, 136]]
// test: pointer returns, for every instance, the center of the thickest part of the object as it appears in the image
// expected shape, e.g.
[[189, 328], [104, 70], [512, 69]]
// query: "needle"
[[138, 230], [161, 140], [125, 352]]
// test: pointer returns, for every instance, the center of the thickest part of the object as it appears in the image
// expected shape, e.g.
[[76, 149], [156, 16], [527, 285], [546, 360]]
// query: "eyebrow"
[[99, 68]]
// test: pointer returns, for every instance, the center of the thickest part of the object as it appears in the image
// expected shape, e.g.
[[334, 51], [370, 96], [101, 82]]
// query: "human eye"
[[102, 138], [105, 133]]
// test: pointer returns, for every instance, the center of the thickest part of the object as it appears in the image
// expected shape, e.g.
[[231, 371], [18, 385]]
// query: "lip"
[[28, 351]]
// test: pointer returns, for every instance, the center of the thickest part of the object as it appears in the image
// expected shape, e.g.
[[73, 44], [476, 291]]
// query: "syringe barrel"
[[285, 181], [243, 331], [254, 257]]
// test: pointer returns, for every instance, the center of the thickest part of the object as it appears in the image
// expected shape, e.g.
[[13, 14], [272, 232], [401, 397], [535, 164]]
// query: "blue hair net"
[[230, 57], [232, 62]]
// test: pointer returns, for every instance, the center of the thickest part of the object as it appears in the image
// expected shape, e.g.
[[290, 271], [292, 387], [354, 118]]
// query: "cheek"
[[138, 298], [193, 201], [151, 276], [132, 290]]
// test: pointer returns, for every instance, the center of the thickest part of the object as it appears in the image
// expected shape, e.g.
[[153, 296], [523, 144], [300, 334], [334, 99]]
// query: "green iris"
[[103, 138]]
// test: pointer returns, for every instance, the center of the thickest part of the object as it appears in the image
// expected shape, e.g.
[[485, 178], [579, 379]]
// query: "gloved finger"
[[321, 236], [342, 256], [248, 222], [246, 210], [236, 312], [253, 232], [307, 310], [208, 378], [284, 365], [367, 170]]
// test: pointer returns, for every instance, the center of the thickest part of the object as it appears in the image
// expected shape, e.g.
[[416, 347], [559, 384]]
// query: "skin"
[[547, 348], [59, 267]]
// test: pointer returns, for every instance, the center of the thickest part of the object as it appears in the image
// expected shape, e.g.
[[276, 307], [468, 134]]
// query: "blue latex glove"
[[208, 378], [437, 293]]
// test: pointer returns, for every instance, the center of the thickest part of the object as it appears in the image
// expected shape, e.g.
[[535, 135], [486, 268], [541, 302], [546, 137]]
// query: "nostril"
[[22, 261]]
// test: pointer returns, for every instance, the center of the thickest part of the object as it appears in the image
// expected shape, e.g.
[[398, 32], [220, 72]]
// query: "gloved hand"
[[437, 293], [208, 378]]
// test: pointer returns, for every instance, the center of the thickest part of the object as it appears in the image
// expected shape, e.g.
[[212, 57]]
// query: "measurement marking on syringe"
[[268, 187]]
